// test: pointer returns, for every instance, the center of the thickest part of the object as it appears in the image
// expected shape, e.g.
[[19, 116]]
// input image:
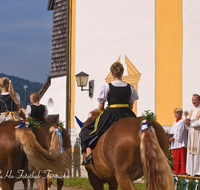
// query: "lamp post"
[[82, 79], [25, 88]]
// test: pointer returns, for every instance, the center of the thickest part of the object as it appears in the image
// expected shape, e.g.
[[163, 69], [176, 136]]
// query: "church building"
[[157, 41]]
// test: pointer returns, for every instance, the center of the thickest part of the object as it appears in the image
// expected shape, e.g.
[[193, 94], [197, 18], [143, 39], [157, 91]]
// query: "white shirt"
[[180, 134], [16, 94], [195, 123], [102, 95], [28, 111]]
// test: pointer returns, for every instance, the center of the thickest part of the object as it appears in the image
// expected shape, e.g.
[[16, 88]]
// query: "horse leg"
[[60, 183], [125, 182], [7, 184], [41, 183], [49, 182], [31, 184], [96, 182], [25, 182], [113, 186]]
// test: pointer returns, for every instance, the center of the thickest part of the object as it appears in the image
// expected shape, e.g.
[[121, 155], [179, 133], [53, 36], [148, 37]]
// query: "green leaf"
[[33, 123]]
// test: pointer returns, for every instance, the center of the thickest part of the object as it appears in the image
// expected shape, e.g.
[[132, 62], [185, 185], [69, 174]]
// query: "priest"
[[193, 147]]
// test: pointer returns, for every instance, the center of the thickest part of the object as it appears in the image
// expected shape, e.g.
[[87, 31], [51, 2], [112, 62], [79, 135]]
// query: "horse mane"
[[156, 168], [93, 115], [40, 158]]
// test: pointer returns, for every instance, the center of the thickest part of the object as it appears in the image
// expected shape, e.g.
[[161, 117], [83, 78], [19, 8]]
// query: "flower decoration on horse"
[[147, 120], [59, 124], [31, 123]]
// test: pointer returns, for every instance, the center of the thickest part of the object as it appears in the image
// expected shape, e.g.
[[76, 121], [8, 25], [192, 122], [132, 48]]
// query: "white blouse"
[[28, 111], [16, 94], [180, 134], [102, 95]]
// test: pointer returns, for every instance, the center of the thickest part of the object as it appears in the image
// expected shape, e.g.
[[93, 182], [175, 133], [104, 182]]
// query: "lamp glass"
[[82, 80], [78, 80]]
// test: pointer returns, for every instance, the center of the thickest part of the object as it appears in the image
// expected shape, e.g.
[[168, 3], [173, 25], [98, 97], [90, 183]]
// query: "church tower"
[[59, 37]]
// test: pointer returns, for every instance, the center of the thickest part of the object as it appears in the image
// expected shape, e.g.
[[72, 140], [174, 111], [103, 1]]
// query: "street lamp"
[[82, 79], [25, 87]]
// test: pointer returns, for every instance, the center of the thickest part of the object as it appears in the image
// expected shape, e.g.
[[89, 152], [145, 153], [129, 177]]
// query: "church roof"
[[45, 87], [59, 36], [50, 5]]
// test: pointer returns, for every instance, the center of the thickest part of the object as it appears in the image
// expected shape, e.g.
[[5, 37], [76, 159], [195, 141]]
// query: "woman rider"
[[9, 101], [120, 97]]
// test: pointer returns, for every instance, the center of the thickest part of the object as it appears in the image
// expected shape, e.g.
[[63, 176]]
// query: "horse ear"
[[80, 123]]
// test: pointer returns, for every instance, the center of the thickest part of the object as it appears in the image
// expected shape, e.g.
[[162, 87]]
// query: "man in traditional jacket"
[[193, 147]]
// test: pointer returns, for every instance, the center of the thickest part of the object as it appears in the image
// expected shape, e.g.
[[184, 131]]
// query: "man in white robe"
[[193, 147]]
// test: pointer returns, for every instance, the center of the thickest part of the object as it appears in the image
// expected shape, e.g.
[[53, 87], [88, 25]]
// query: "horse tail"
[[43, 160], [55, 147], [55, 144], [155, 165]]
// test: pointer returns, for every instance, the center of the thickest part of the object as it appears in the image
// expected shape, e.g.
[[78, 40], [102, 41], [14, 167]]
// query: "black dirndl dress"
[[118, 100], [37, 113]]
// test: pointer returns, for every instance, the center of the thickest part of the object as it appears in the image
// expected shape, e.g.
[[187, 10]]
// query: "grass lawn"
[[83, 183]]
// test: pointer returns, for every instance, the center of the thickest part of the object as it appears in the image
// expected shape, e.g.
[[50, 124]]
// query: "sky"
[[25, 39]]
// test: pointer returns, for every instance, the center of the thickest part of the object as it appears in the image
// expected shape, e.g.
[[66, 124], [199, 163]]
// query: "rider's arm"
[[45, 113], [134, 95], [102, 96], [28, 112], [131, 106], [101, 106], [17, 107], [18, 102]]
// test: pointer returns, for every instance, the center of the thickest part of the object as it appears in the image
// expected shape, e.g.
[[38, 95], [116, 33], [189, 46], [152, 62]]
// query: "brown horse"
[[48, 130], [123, 154], [16, 145]]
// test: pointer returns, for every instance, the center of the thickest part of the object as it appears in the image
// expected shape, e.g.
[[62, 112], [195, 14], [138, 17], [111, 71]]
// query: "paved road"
[[19, 186]]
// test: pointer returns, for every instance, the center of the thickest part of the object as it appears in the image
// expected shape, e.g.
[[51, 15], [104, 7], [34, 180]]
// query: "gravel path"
[[19, 186]]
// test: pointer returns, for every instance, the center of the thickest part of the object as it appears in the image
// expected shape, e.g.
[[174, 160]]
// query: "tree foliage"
[[18, 85]]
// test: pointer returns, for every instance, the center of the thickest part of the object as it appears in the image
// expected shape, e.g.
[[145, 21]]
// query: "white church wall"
[[106, 30], [191, 49], [55, 97]]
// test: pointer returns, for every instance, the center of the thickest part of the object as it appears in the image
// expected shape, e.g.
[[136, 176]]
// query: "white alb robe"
[[193, 160], [180, 135]]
